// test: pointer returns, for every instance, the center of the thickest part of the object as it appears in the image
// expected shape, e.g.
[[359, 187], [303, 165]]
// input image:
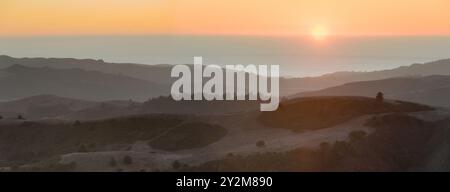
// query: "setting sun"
[[319, 32]]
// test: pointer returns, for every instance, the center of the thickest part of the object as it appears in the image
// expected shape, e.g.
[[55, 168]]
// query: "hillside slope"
[[440, 67], [18, 81], [321, 112], [161, 73], [25, 142], [430, 90]]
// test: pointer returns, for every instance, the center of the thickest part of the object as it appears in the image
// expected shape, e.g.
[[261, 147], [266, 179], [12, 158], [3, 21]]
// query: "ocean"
[[297, 56]]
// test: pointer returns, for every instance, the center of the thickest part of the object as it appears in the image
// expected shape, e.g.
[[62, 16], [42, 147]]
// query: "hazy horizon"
[[306, 38], [297, 56]]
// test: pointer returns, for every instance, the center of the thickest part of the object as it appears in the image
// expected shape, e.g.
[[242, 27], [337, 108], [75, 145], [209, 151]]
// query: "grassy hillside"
[[430, 90], [321, 112], [55, 107], [398, 143], [168, 105], [26, 142]]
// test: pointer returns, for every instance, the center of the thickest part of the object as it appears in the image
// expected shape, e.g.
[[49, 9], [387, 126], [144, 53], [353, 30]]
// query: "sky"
[[224, 17]]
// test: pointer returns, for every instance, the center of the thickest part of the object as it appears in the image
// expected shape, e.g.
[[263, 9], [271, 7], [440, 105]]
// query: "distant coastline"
[[298, 57]]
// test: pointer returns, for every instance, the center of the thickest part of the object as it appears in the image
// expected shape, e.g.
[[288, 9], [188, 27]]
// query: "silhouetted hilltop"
[[160, 74], [18, 81], [430, 90], [152, 73], [321, 112], [440, 67], [42, 106], [168, 105], [62, 108]]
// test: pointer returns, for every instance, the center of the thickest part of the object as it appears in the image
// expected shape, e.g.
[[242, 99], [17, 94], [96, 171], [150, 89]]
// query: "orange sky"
[[227, 17]]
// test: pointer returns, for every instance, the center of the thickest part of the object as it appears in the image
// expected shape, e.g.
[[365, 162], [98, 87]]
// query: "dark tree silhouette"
[[176, 165], [357, 135], [82, 149], [77, 123], [112, 162], [127, 160], [20, 117], [260, 143], [380, 97]]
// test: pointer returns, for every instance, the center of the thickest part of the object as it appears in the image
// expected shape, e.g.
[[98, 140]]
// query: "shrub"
[[127, 160], [230, 155], [15, 168], [112, 162], [64, 167], [82, 149], [77, 123], [324, 146], [380, 97], [176, 165], [261, 144], [357, 135]]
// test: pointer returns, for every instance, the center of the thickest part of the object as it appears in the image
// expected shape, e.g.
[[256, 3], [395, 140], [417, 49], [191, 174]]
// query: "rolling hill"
[[160, 74], [18, 81], [152, 73], [430, 90], [312, 113], [440, 67], [29, 141], [63, 108]]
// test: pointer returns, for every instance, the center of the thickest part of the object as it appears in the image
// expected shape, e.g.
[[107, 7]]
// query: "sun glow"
[[319, 32], [319, 19]]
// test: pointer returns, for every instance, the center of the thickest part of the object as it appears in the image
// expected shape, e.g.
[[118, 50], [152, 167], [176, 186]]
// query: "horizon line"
[[215, 35], [281, 76]]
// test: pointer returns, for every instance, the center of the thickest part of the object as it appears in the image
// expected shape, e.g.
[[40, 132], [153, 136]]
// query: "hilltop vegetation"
[[322, 112], [26, 141], [398, 143], [429, 90], [168, 105], [54, 107]]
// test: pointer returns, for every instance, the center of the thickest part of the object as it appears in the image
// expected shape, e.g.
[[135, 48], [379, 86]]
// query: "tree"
[[176, 165], [82, 149], [20, 117], [324, 146], [380, 97], [112, 162], [260, 144], [1, 117], [127, 160], [77, 123], [357, 135]]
